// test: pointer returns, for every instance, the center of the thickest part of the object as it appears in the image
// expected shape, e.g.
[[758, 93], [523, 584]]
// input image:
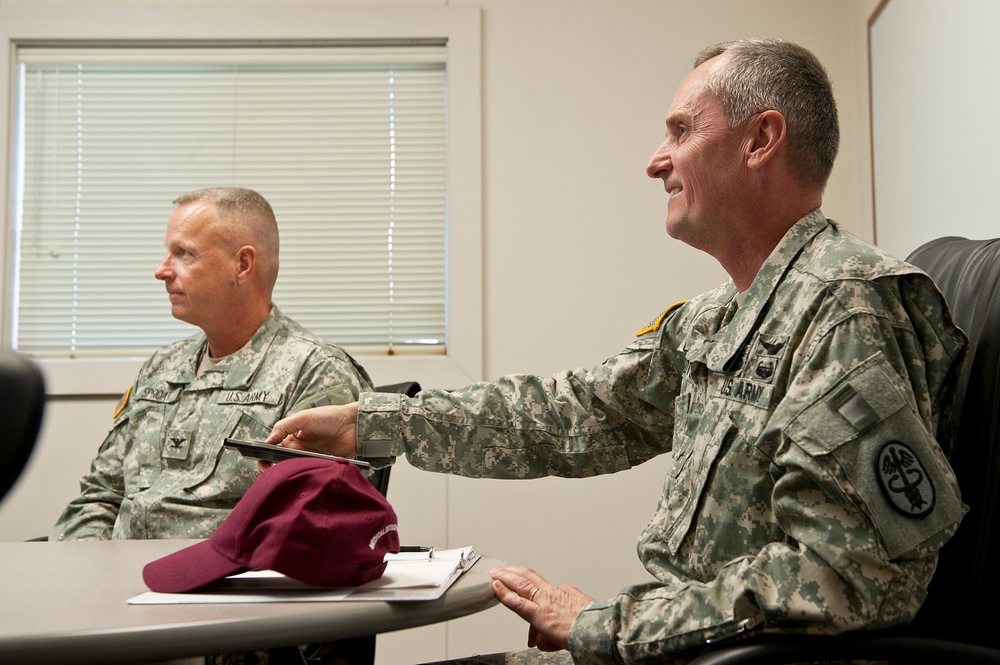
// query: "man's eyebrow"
[[676, 118]]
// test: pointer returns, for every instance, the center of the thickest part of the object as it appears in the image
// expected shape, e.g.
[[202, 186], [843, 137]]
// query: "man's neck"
[[743, 256], [232, 337]]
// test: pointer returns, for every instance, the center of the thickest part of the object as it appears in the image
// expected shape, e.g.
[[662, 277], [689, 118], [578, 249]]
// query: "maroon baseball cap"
[[315, 520]]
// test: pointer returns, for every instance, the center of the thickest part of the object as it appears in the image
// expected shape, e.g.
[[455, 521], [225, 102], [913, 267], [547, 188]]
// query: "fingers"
[[330, 429], [286, 427], [551, 610], [514, 601], [519, 579], [517, 588]]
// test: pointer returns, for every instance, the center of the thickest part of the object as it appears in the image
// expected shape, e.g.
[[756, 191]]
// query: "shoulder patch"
[[123, 402], [658, 321], [906, 485]]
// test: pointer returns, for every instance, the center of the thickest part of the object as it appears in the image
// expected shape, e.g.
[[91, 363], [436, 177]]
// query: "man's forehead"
[[691, 106], [692, 96], [190, 221]]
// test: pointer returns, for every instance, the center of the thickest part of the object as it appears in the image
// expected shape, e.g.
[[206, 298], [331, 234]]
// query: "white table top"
[[66, 602]]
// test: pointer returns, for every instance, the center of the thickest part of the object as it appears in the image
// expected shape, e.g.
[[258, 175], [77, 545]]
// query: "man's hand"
[[325, 429], [551, 610]]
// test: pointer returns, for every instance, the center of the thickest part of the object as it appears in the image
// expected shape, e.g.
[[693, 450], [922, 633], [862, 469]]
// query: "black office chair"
[[959, 620], [22, 401]]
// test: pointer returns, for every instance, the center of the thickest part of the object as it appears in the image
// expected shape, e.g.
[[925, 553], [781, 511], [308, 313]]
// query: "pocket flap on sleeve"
[[863, 398], [882, 455]]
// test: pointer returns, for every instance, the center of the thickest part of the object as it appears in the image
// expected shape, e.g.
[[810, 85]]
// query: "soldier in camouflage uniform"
[[162, 471], [804, 400]]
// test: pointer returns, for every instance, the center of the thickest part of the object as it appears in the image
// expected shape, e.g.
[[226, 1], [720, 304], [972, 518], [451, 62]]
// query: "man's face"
[[700, 165], [197, 271]]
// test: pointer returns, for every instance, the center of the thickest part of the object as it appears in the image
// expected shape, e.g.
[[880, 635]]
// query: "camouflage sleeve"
[[577, 423], [330, 376], [862, 493], [92, 514]]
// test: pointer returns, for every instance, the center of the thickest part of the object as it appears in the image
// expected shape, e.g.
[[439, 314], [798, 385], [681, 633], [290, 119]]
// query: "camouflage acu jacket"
[[807, 492], [162, 471]]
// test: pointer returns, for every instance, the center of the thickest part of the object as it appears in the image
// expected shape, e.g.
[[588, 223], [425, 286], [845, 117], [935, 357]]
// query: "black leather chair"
[[960, 620], [22, 402]]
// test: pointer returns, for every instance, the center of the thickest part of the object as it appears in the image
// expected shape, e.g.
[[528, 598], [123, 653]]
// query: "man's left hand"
[[551, 610]]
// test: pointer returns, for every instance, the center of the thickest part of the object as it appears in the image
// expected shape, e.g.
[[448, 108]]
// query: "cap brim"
[[189, 568]]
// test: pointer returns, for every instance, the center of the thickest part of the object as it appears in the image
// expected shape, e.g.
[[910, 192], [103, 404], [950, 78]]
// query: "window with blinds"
[[348, 144]]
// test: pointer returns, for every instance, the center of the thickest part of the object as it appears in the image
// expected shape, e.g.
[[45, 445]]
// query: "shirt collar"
[[731, 338], [240, 367]]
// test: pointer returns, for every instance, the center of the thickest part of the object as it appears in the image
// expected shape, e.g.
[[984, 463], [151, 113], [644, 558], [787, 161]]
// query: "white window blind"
[[348, 144]]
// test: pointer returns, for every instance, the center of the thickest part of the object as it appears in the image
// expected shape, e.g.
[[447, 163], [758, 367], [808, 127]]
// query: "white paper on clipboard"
[[408, 576]]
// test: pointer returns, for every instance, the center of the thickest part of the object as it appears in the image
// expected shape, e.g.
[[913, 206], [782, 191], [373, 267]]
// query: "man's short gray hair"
[[248, 219], [772, 74]]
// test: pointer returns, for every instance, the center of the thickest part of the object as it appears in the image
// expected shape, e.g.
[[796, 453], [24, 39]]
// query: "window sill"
[[65, 377]]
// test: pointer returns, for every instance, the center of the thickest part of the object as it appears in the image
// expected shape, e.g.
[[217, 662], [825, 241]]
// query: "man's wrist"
[[378, 425]]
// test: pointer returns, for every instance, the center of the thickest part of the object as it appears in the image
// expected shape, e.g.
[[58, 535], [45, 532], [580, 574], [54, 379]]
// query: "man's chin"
[[180, 313], [675, 229]]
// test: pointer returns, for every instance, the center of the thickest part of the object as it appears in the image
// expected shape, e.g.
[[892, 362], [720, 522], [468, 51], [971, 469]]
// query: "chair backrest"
[[380, 478], [22, 401], [963, 601]]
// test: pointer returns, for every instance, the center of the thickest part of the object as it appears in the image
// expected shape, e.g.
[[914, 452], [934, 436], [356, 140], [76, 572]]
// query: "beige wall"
[[575, 261]]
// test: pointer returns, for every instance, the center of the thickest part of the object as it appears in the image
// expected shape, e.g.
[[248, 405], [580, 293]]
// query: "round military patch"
[[903, 480]]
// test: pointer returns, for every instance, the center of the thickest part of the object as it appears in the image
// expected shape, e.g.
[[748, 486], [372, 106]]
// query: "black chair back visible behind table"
[[22, 401], [959, 621]]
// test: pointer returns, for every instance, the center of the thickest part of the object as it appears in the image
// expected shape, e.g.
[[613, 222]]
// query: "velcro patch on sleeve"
[[878, 449]]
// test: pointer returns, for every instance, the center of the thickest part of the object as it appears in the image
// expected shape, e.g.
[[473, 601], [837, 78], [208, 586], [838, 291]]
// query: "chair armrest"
[[778, 649]]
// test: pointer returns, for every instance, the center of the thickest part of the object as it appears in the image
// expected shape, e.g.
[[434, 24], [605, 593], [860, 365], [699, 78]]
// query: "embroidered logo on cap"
[[903, 480]]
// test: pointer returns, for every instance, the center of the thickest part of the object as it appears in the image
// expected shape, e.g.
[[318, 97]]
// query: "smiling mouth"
[[674, 191]]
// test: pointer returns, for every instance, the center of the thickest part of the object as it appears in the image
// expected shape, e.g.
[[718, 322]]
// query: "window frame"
[[287, 25]]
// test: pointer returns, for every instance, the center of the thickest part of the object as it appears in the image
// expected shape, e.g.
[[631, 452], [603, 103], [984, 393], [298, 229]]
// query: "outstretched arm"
[[326, 429]]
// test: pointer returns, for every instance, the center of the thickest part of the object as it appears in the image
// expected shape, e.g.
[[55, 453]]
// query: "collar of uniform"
[[243, 364], [732, 338], [240, 367]]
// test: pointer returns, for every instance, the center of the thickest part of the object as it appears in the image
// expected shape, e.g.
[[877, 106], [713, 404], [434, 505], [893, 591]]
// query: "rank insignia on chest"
[[176, 444], [767, 353]]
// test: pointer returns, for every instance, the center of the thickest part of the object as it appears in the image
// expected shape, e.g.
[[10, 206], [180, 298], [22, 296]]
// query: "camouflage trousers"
[[527, 657]]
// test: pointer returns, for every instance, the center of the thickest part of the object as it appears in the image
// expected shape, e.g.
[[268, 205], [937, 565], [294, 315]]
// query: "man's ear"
[[247, 256], [767, 132]]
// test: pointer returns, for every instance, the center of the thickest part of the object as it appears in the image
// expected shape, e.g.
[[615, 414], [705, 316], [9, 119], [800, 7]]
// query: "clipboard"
[[272, 453], [408, 577]]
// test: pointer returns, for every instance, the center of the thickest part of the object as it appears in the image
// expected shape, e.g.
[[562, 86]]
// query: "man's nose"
[[658, 162], [163, 270]]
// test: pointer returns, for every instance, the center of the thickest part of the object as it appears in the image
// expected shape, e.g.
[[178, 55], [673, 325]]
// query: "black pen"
[[418, 548]]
